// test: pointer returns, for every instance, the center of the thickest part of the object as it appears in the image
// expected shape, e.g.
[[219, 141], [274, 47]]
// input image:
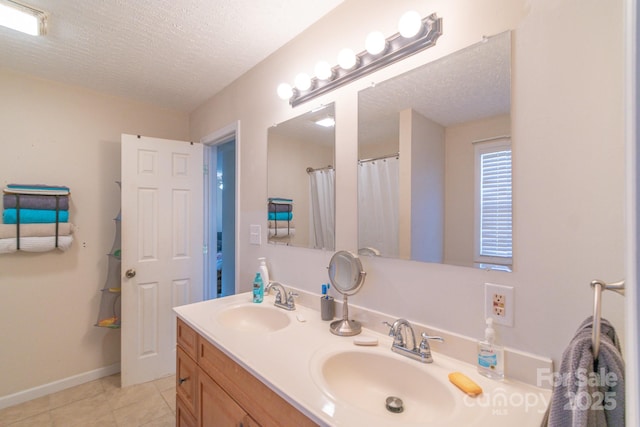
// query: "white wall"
[[427, 188], [568, 154], [58, 134]]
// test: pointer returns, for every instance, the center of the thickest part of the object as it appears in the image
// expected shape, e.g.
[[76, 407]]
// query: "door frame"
[[632, 198], [222, 135]]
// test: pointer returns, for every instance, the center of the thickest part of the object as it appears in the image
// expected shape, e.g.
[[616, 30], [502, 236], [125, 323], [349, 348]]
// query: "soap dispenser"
[[263, 270], [490, 355], [258, 289]]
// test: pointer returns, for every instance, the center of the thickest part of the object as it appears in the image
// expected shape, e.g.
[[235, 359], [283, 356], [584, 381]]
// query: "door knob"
[[130, 273]]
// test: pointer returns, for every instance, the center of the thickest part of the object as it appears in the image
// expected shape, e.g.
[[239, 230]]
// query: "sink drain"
[[394, 404]]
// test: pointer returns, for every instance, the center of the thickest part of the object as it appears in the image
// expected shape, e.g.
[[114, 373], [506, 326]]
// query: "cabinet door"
[[186, 379], [216, 408], [184, 418]]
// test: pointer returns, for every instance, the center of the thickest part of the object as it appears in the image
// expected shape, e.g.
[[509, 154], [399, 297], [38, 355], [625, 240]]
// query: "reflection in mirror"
[[301, 180], [422, 194]]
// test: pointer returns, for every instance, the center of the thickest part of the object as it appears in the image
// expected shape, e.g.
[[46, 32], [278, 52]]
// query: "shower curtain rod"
[[310, 169], [388, 156]]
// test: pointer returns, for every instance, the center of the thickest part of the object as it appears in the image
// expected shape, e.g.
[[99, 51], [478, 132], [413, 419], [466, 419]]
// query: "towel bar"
[[599, 286]]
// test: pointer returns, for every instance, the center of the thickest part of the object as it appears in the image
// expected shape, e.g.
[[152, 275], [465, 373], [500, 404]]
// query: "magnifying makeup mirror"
[[346, 276]]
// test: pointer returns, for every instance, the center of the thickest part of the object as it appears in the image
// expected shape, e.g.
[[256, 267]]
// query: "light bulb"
[[346, 59], [323, 70], [285, 91], [302, 81], [410, 24], [375, 43]]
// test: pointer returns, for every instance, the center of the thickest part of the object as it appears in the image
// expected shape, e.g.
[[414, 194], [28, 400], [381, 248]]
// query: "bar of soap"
[[465, 383], [365, 340]]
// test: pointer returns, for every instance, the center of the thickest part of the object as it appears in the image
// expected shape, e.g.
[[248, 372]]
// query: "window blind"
[[495, 204]]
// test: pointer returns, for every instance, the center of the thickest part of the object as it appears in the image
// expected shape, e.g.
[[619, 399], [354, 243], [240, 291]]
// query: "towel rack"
[[599, 286]]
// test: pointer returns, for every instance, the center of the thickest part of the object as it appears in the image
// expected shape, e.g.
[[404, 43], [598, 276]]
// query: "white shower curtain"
[[322, 209], [378, 213]]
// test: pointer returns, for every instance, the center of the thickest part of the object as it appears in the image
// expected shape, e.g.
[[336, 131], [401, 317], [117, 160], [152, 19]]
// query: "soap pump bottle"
[[258, 289], [263, 270], [490, 355]]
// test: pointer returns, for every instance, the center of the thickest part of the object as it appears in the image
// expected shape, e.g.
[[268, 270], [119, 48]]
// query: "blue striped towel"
[[34, 216]]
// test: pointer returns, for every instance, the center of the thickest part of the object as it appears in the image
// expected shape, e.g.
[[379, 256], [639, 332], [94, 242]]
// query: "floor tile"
[[91, 411], [24, 410], [100, 403], [42, 420], [142, 412]]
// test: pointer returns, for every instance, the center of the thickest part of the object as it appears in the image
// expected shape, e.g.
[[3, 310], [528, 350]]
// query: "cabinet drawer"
[[187, 338], [186, 379], [216, 408], [184, 418], [265, 406]]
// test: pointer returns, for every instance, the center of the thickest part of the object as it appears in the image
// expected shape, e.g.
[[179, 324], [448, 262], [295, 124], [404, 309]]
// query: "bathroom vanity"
[[213, 390], [246, 364]]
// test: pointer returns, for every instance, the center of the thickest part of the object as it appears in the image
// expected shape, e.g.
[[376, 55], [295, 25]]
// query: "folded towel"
[[280, 216], [280, 207], [32, 216], [35, 201], [35, 244], [281, 224], [37, 189], [282, 232], [279, 200], [35, 230], [587, 392]]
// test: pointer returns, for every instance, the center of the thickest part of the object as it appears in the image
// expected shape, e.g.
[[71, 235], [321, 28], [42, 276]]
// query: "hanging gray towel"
[[588, 392]]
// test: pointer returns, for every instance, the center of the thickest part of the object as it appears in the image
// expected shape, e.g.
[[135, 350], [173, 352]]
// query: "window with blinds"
[[493, 202]]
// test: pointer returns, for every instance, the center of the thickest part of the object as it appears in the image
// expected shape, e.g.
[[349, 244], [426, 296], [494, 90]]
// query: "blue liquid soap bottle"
[[258, 289]]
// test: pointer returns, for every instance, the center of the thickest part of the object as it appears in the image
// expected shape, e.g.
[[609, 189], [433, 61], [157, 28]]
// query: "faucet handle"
[[392, 332], [290, 302], [424, 344]]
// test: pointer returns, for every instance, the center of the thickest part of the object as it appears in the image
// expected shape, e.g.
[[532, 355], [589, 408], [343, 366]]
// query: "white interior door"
[[162, 256]]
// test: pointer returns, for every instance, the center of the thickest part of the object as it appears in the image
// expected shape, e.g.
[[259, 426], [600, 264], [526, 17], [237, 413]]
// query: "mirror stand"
[[345, 327], [346, 276]]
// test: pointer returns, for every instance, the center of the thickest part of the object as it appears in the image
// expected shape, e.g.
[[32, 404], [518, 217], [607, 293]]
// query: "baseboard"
[[59, 385]]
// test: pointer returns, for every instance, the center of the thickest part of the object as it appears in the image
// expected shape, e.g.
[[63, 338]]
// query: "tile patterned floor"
[[99, 403]]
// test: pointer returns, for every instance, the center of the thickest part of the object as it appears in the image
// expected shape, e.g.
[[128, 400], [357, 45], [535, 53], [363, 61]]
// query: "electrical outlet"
[[499, 303]]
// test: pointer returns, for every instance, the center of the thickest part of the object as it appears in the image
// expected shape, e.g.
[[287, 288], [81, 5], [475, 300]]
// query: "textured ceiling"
[[174, 54], [471, 84]]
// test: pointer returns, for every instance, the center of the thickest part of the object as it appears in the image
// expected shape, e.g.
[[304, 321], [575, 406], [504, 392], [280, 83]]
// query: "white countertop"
[[286, 361]]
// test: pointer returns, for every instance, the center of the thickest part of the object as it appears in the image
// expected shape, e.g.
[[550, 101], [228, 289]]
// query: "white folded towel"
[[35, 244], [281, 232]]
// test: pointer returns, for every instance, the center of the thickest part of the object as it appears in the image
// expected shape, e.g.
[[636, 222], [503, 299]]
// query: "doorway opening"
[[220, 191]]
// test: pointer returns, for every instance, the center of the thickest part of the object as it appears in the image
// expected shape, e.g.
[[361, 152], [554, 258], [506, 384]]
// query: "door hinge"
[[205, 169], [205, 249]]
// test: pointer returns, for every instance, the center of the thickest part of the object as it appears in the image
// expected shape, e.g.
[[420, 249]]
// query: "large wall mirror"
[[432, 144], [301, 180]]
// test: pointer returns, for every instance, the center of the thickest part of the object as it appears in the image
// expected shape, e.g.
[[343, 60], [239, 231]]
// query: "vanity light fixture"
[[23, 18], [414, 35]]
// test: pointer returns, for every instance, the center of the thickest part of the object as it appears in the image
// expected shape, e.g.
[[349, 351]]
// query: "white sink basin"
[[253, 318], [366, 379]]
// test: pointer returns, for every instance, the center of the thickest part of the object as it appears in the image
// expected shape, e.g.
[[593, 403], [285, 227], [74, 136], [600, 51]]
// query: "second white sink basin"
[[253, 318], [366, 379]]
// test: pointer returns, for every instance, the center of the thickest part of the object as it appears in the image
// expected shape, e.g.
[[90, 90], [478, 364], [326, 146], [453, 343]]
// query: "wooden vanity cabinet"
[[212, 390]]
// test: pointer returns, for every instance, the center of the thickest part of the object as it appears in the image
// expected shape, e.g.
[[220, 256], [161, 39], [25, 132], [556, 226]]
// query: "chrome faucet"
[[288, 303], [421, 353]]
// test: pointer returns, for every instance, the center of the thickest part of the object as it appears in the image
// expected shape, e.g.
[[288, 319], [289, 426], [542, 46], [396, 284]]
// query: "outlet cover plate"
[[499, 303]]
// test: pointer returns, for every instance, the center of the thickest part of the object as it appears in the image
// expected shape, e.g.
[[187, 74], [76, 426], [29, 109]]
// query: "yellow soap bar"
[[465, 383]]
